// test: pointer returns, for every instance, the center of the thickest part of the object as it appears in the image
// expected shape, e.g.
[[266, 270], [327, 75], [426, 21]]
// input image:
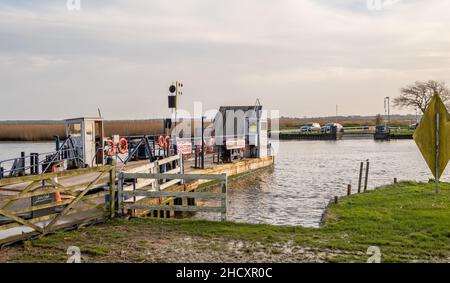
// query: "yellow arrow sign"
[[427, 132]]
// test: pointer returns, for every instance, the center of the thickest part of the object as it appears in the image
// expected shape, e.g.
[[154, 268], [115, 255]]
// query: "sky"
[[301, 57]]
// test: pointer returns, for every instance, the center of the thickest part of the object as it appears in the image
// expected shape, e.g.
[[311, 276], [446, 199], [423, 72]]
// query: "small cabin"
[[87, 136], [242, 127]]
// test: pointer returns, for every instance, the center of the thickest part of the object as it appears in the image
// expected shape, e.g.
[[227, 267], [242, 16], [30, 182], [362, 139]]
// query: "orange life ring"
[[110, 152], [161, 141], [122, 147]]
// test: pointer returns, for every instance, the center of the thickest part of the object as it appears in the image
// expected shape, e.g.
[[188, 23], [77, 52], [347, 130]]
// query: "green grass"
[[402, 132], [407, 221]]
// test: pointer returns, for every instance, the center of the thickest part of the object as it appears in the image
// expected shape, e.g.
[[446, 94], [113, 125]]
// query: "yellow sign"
[[427, 131]]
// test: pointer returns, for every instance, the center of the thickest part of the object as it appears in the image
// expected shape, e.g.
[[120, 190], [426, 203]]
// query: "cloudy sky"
[[301, 57]]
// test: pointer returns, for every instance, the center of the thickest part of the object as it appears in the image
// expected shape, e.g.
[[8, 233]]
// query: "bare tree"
[[419, 94]]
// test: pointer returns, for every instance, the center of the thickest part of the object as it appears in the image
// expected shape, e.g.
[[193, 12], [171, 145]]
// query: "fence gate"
[[39, 204], [125, 194]]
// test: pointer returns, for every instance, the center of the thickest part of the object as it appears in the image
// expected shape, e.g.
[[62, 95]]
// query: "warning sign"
[[184, 146], [235, 143]]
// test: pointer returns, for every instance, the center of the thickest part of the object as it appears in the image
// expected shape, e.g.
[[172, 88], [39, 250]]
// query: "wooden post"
[[367, 175], [395, 180], [349, 189], [156, 170], [336, 199], [223, 216], [360, 176], [112, 189], [119, 195]]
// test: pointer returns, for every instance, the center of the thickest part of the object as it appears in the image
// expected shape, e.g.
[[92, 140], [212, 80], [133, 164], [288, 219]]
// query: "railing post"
[[22, 164], [181, 164], [112, 189]]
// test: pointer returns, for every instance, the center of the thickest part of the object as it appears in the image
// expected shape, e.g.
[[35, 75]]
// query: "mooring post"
[[360, 176], [349, 189], [367, 175], [112, 189]]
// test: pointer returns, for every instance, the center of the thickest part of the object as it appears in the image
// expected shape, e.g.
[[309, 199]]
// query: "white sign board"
[[184, 146], [235, 143]]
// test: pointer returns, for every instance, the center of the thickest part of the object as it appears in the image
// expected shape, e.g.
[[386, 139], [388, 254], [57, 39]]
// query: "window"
[[75, 129]]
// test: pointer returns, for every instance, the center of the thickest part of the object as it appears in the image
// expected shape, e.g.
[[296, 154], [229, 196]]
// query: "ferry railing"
[[35, 163], [19, 166]]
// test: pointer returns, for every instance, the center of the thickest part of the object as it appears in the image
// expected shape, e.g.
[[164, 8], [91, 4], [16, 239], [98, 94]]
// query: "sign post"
[[432, 136], [437, 152]]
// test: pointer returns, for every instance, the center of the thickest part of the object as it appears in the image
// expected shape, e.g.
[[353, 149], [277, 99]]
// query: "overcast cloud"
[[301, 57]]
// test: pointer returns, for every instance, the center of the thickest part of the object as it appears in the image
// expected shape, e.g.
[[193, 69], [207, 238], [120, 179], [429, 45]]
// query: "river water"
[[306, 175]]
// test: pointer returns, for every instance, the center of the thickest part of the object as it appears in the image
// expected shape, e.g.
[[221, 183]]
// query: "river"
[[306, 175]]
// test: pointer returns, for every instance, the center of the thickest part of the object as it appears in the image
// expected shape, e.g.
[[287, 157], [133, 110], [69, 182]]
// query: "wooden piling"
[[360, 176], [367, 175], [336, 199], [349, 189], [395, 181]]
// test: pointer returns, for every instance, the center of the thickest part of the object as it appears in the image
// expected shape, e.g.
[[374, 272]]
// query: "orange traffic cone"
[[57, 196]]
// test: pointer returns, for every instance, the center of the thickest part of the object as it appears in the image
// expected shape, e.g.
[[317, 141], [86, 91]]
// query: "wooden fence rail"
[[159, 194], [36, 218]]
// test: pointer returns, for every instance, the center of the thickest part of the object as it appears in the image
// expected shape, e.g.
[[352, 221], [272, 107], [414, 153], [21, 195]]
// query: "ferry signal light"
[[175, 88], [172, 88]]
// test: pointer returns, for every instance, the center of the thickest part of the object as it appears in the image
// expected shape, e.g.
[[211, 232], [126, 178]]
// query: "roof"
[[243, 108], [84, 119]]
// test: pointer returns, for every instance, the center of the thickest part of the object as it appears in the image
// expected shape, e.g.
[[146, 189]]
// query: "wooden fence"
[[165, 194], [32, 208]]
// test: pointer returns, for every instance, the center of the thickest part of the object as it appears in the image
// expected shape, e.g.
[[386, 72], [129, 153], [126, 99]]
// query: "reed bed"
[[46, 130]]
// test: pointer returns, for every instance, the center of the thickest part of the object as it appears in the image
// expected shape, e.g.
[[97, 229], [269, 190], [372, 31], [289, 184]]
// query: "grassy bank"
[[407, 221]]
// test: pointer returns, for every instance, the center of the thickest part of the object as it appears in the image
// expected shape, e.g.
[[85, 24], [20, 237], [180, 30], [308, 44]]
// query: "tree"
[[419, 94]]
